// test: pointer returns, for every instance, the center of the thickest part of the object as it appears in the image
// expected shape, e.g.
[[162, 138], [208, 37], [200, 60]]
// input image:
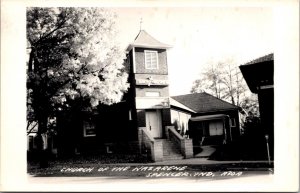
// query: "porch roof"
[[208, 117]]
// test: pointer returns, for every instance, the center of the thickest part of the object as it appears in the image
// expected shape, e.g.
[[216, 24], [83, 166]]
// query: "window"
[[215, 127], [232, 122], [152, 94], [130, 116], [88, 129], [151, 59]]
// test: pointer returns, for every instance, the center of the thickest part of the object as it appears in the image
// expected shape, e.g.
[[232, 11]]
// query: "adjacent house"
[[207, 120], [259, 76]]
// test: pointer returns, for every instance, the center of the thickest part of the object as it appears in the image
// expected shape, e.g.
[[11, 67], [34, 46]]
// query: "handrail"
[[153, 147], [148, 135], [176, 138], [175, 133], [185, 145]]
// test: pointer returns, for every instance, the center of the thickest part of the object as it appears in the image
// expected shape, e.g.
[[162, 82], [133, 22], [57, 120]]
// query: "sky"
[[199, 35]]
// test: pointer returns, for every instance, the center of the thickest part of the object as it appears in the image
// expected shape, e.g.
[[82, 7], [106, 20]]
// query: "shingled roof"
[[259, 72], [266, 58], [143, 39], [204, 102]]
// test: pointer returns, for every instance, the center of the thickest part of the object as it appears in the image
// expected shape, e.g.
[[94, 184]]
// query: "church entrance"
[[154, 123]]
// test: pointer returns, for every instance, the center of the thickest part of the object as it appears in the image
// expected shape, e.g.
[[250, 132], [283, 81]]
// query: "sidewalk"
[[195, 161], [201, 161]]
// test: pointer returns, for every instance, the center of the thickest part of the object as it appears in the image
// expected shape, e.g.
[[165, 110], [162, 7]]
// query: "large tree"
[[72, 57], [224, 80]]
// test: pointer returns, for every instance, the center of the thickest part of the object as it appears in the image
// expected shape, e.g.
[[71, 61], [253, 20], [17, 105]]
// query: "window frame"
[[232, 122], [152, 94], [85, 128], [145, 58]]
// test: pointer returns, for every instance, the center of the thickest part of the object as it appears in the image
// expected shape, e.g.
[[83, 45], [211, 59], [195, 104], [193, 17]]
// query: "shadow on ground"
[[246, 148]]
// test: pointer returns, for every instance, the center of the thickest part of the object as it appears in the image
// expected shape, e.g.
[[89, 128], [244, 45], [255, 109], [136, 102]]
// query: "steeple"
[[141, 23], [144, 40]]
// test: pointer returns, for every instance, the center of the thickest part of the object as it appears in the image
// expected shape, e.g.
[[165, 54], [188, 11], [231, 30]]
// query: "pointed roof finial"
[[141, 21]]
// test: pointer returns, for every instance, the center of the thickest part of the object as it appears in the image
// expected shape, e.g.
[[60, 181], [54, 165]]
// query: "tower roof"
[[143, 39]]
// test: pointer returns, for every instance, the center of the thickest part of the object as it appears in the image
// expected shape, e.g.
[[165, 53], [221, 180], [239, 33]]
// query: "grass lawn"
[[33, 165]]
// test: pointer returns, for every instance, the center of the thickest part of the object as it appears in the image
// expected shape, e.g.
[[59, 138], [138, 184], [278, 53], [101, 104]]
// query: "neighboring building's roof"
[[179, 105], [208, 117], [259, 72], [143, 39], [204, 102], [266, 58]]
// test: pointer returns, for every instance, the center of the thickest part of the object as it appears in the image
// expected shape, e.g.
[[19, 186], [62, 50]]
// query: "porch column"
[[224, 128]]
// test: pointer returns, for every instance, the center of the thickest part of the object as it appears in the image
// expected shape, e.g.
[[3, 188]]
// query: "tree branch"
[[57, 28], [31, 128], [67, 81], [100, 70]]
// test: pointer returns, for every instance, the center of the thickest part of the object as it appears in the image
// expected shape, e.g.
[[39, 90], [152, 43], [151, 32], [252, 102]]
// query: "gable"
[[177, 104]]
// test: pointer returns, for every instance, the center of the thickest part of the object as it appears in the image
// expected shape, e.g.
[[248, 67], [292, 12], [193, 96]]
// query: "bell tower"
[[149, 85]]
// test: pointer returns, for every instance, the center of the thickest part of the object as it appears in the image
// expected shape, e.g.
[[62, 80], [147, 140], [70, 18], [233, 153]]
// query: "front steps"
[[171, 151], [164, 149]]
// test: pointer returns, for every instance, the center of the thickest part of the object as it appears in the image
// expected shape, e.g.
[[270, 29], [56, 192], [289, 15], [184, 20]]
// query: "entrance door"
[[153, 123], [216, 128]]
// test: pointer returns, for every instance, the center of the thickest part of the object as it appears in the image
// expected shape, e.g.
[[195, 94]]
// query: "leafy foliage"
[[224, 80], [73, 59]]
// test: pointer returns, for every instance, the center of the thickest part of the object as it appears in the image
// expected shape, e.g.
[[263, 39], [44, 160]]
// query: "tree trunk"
[[232, 99], [41, 142], [31, 58]]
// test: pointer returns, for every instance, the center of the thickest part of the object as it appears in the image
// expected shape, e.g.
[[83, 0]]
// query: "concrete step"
[[173, 157], [171, 151], [170, 148]]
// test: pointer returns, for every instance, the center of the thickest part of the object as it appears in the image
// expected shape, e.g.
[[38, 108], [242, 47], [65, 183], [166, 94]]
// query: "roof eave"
[[259, 69], [218, 110], [148, 46], [179, 105], [208, 117]]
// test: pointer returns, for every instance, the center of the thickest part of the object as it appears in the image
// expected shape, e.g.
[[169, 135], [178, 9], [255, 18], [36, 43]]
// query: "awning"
[[208, 117]]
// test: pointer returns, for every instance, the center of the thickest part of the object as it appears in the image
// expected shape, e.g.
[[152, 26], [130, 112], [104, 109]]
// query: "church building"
[[143, 122]]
